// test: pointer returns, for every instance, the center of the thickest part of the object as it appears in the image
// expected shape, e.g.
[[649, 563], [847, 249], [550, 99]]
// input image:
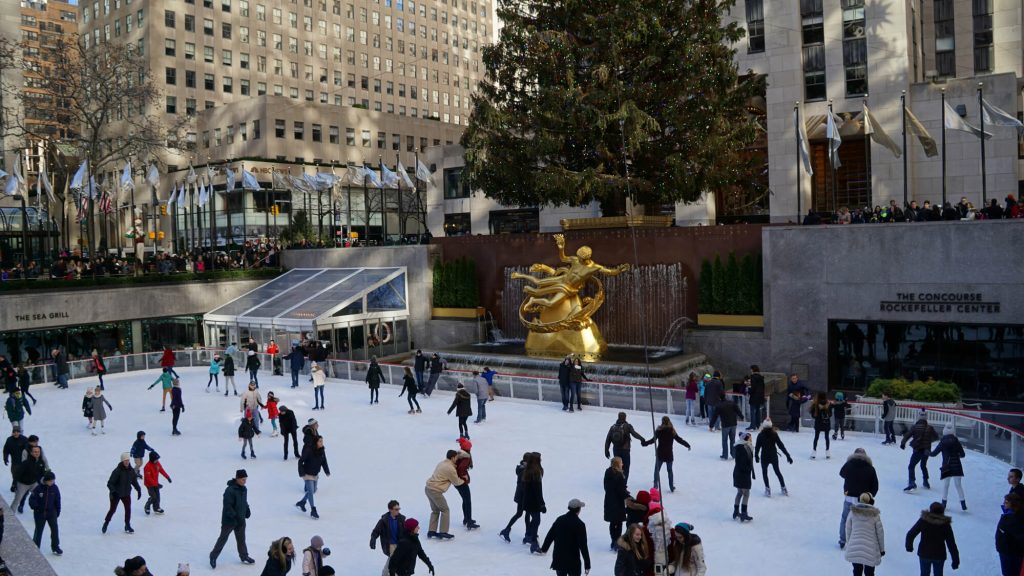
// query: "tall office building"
[[293, 84]]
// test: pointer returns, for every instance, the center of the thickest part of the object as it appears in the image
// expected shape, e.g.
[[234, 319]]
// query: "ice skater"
[[273, 413], [463, 410], [289, 427], [663, 439], [742, 474], [374, 378], [45, 505], [766, 452], [120, 485], [246, 432], [936, 530], [177, 407], [87, 408], [313, 460], [839, 409], [251, 402], [138, 450], [166, 381], [436, 368], [99, 411], [403, 559], [920, 436], [410, 388], [233, 515], [252, 364], [214, 375], [319, 377], [445, 476], [952, 469], [463, 463], [98, 366], [16, 407], [151, 480], [229, 373], [506, 534]]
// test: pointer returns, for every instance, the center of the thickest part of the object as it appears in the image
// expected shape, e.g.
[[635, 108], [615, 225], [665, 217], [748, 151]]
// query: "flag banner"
[[389, 178], [92, 190], [914, 126], [153, 175], [355, 175], [44, 180], [249, 181], [326, 180], [372, 175], [877, 134], [204, 196], [126, 177], [834, 140], [83, 208], [280, 181], [104, 205], [997, 117], [403, 173], [170, 197], [191, 176], [211, 172], [953, 121], [310, 183], [801, 138], [230, 173], [79, 179], [423, 173], [11, 188], [183, 195]]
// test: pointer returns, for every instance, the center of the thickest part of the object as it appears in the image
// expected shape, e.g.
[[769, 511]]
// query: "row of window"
[[241, 133], [855, 48]]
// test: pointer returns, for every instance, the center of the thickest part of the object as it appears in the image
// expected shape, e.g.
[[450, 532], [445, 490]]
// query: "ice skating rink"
[[378, 453]]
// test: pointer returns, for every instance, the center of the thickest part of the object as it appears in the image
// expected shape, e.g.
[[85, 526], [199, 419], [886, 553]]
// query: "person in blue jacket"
[[45, 505], [138, 451], [296, 360]]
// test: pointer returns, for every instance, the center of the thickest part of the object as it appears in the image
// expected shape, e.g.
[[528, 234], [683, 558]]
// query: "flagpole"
[[799, 160], [832, 162], [943, 148], [244, 229], [903, 116], [174, 220], [981, 139], [419, 199], [383, 213], [867, 150], [401, 223]]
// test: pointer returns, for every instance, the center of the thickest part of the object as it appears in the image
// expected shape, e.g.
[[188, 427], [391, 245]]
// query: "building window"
[[190, 107], [171, 76], [225, 31], [855, 48], [945, 46], [455, 186], [243, 88], [299, 131], [190, 23], [207, 26], [172, 105], [457, 224], [190, 51], [318, 133], [256, 130], [366, 139], [812, 19], [983, 49], [279, 128], [381, 140], [208, 81], [190, 79], [350, 136], [169, 19], [169, 47], [228, 85], [333, 134]]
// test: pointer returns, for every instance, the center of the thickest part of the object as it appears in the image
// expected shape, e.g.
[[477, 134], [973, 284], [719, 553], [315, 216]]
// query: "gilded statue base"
[[588, 344]]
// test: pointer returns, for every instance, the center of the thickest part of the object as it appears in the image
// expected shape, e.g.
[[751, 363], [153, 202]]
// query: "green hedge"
[[926, 391], [455, 284], [733, 287], [113, 281]]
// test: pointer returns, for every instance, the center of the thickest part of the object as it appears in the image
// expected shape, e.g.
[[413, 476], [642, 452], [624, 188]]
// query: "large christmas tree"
[[606, 99]]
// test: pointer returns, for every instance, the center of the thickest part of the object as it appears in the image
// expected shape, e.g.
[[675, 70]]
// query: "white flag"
[[16, 176], [11, 188], [834, 140], [996, 117], [953, 121], [170, 197], [403, 174], [153, 175], [47, 185], [182, 195], [191, 176], [126, 177], [280, 181], [249, 181], [355, 175], [79, 179], [372, 175], [326, 180], [801, 139], [423, 173], [204, 196], [92, 190], [390, 178], [210, 173], [877, 134]]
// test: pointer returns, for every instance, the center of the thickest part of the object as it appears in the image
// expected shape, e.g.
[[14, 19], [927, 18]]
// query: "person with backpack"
[[888, 419], [151, 480], [313, 460], [766, 452], [952, 469], [920, 436], [374, 378], [757, 398], [619, 439], [936, 530], [45, 505]]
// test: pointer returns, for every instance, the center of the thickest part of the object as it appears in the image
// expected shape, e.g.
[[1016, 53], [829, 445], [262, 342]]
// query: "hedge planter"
[[739, 321], [458, 313]]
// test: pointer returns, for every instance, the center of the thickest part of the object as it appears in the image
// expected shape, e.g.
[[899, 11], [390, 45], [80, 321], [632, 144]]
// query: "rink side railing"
[[992, 433]]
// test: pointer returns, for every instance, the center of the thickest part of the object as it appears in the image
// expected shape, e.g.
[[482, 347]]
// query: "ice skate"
[[768, 491], [128, 529], [784, 491], [744, 517], [828, 455], [312, 512], [504, 534]]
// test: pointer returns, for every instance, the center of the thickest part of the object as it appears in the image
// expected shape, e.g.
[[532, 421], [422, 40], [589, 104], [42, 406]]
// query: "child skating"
[[246, 432], [214, 375], [272, 413], [87, 408], [165, 380], [99, 410], [151, 479]]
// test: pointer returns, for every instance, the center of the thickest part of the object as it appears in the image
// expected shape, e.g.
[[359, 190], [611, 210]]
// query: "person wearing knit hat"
[[688, 551], [45, 504], [120, 485], [403, 559], [920, 437], [310, 433], [313, 556], [952, 469], [234, 513], [183, 569], [463, 464]]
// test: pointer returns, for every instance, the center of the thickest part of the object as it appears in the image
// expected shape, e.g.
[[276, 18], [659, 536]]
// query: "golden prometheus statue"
[[563, 323]]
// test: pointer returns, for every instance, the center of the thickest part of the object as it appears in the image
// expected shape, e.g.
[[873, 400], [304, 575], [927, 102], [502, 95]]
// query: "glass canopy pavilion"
[[355, 312]]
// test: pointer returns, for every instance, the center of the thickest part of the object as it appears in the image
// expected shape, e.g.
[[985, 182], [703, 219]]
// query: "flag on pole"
[[801, 137], [182, 195], [423, 173], [92, 189], [44, 180], [15, 182], [953, 121], [372, 175], [996, 117], [79, 179], [914, 126], [326, 180], [389, 178], [126, 177], [170, 197], [11, 188], [280, 181], [104, 204], [403, 173], [153, 175], [355, 175], [204, 196], [874, 129], [834, 140], [230, 174], [83, 208], [249, 181], [191, 176], [210, 173]]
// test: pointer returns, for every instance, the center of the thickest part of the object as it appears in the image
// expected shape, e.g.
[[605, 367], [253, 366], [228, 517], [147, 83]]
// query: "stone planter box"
[[458, 313], [730, 321]]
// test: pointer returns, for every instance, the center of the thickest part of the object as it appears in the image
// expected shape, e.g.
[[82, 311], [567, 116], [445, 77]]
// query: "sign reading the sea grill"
[[940, 303]]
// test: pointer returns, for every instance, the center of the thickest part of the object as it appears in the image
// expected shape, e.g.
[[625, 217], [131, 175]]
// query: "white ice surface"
[[379, 452]]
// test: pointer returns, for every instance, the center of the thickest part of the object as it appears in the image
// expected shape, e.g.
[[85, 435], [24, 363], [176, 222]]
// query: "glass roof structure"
[[306, 298]]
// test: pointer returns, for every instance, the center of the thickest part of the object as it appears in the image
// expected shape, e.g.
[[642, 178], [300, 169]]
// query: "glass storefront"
[[985, 361]]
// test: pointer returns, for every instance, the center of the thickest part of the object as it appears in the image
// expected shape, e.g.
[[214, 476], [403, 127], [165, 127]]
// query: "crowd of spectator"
[[926, 212]]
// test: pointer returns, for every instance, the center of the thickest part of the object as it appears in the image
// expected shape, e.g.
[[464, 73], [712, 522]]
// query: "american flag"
[[83, 209], [104, 205]]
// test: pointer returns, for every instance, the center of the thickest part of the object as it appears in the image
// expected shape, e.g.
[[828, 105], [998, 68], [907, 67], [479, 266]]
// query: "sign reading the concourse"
[[929, 303]]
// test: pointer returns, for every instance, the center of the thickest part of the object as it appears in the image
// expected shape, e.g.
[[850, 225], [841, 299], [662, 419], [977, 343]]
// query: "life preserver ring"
[[387, 332]]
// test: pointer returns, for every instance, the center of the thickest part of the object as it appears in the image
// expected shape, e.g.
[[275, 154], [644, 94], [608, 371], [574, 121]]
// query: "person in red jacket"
[[275, 358], [167, 361], [462, 465], [272, 412], [151, 479]]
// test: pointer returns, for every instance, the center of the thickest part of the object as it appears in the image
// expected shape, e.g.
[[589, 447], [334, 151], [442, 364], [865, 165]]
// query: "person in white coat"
[[319, 378], [865, 538], [252, 400], [688, 552]]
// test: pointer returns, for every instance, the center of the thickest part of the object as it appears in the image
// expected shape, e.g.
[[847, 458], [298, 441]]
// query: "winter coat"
[[403, 559], [272, 411], [165, 380], [98, 365], [215, 367], [657, 524], [319, 376], [30, 470], [615, 494], [729, 413], [517, 497], [122, 480], [920, 436], [16, 408], [45, 500], [822, 414], [859, 475], [444, 477], [576, 375], [235, 510], [176, 401], [99, 407], [936, 532], [531, 496], [409, 385], [692, 390], [462, 465], [461, 404], [696, 566], [564, 369], [865, 538], [296, 359], [286, 420], [627, 433], [636, 511], [167, 360], [1009, 534], [664, 436], [382, 531], [952, 451], [272, 349], [889, 410], [139, 447], [626, 562], [151, 473], [420, 363], [60, 361], [87, 406], [312, 461], [756, 390], [569, 535], [273, 566], [229, 365], [13, 449], [478, 387], [252, 362], [436, 366], [375, 375], [312, 561], [247, 429], [251, 400], [743, 470], [839, 410], [714, 391], [310, 435], [766, 444]]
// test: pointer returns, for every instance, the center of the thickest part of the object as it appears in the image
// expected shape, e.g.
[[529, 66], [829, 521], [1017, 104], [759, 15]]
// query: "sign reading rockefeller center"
[[940, 303]]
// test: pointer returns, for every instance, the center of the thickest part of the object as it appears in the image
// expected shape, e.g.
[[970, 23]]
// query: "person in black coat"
[[313, 460], [374, 378], [663, 439], [27, 474], [729, 414], [633, 555], [564, 375], [569, 535], [403, 559], [228, 368], [120, 484], [289, 427], [757, 397], [920, 436], [952, 469], [1010, 535], [517, 498], [936, 532], [619, 439], [388, 529], [296, 360], [615, 494], [279, 558], [436, 367], [45, 504], [742, 474], [252, 364], [766, 451], [420, 363], [410, 388], [462, 409], [14, 447], [859, 476], [531, 496], [234, 512]]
